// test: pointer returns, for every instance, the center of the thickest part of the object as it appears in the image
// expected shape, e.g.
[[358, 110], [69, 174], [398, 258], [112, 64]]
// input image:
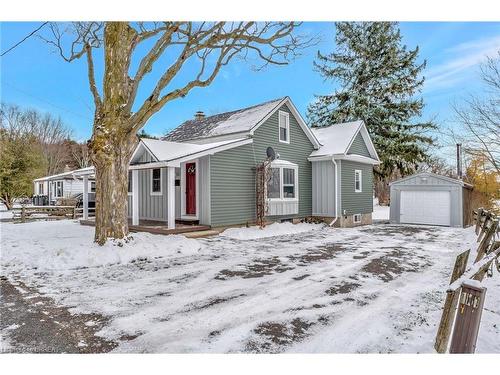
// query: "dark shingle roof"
[[237, 121]]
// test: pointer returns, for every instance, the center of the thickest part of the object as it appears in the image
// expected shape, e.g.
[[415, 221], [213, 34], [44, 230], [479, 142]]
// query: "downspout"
[[336, 193]]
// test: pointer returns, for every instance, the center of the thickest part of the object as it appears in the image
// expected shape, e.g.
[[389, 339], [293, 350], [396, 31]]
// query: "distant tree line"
[[33, 145]]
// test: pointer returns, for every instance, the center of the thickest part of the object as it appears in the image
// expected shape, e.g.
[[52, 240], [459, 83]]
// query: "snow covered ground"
[[4, 213], [380, 212], [377, 288]]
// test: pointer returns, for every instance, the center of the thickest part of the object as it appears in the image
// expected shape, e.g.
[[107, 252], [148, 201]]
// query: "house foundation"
[[347, 221]]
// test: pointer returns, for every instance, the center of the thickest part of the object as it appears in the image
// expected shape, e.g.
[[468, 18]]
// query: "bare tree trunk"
[[7, 201], [113, 138], [111, 217]]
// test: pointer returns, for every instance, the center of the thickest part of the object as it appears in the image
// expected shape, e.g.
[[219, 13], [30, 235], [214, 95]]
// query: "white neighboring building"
[[63, 185]]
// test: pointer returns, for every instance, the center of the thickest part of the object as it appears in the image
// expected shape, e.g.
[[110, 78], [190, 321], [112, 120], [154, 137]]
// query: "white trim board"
[[286, 100]]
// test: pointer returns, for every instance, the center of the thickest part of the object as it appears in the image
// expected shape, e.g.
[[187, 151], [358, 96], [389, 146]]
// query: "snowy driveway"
[[377, 288]]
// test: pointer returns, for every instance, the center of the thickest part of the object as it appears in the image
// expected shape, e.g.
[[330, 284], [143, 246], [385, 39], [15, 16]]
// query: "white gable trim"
[[366, 138], [142, 146], [428, 174], [297, 116]]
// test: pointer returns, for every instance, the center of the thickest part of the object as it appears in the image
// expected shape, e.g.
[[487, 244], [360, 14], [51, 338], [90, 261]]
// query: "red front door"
[[190, 188]]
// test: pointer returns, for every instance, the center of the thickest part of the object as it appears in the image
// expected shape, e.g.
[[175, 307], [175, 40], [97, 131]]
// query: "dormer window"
[[284, 126]]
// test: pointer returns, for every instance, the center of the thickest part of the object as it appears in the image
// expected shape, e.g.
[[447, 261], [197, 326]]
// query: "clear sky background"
[[33, 75]]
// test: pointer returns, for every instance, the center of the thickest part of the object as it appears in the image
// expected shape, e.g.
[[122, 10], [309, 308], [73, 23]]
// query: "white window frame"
[[358, 172], [287, 126], [151, 192], [56, 189], [90, 187], [356, 218], [41, 188], [277, 165]]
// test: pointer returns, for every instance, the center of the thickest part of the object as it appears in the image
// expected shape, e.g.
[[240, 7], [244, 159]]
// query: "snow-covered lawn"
[[380, 212], [377, 288], [4, 213]]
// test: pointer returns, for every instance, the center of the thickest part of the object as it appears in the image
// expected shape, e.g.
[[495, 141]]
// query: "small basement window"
[[357, 218], [284, 127], [156, 181], [358, 181]]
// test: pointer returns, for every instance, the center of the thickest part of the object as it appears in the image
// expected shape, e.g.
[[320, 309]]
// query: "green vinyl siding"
[[358, 147], [233, 179], [352, 202]]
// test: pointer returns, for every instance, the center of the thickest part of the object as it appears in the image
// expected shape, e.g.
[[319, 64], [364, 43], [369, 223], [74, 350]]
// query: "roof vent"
[[199, 115]]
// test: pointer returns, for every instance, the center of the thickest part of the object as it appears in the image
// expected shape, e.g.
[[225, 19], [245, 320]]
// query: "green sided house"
[[204, 171]]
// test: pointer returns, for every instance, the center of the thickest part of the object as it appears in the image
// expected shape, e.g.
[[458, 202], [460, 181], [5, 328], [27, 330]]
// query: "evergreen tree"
[[378, 79]]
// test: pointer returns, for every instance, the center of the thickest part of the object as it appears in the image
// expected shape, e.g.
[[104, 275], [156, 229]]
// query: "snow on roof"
[[238, 121], [335, 139], [167, 151], [69, 174]]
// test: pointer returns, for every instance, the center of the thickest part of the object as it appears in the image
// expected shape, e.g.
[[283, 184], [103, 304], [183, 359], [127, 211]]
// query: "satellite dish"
[[270, 153]]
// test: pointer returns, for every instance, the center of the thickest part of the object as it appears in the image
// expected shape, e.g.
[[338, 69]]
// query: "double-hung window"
[[284, 127], [129, 189], [282, 182], [358, 181], [273, 185], [92, 186], [59, 189], [156, 181], [288, 183]]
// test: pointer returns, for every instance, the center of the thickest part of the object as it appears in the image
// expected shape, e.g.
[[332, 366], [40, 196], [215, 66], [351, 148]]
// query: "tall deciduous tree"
[[479, 118], [21, 160], [378, 79], [49, 132], [118, 117]]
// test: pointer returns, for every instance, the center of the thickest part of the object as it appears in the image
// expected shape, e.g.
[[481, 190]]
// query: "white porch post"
[[135, 197], [171, 197], [85, 197]]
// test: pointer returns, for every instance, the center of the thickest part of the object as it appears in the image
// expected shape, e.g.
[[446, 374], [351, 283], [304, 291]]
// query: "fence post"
[[450, 304], [23, 214]]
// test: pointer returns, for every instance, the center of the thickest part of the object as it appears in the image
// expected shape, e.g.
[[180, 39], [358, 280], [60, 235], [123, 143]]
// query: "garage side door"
[[425, 207]]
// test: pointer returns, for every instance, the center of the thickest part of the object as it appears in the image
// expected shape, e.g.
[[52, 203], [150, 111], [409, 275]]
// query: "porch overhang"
[[189, 154]]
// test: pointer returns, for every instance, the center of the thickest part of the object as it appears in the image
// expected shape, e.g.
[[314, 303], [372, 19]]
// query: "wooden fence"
[[28, 213], [488, 251]]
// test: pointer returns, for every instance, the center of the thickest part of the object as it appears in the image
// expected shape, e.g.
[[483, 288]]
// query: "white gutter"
[[336, 193]]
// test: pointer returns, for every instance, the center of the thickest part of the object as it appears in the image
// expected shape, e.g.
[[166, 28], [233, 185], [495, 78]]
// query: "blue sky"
[[33, 75]]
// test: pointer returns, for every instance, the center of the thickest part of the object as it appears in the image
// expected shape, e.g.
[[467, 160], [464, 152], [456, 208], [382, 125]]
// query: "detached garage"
[[431, 199]]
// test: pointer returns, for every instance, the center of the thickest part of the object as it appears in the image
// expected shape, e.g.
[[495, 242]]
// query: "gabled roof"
[[239, 123], [438, 176], [172, 153], [336, 140]]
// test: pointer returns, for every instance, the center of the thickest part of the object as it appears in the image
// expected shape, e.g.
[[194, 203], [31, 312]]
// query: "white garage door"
[[425, 207]]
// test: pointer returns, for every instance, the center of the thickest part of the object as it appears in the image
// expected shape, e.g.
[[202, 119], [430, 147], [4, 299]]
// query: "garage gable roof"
[[429, 174]]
